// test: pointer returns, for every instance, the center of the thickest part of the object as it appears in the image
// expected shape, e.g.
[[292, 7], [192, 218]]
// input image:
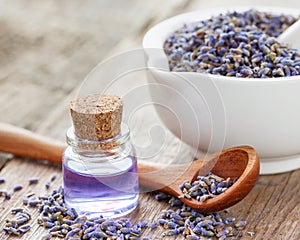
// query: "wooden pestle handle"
[[22, 142]]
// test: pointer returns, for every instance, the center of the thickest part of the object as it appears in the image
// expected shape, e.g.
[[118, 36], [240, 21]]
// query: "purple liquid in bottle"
[[108, 188]]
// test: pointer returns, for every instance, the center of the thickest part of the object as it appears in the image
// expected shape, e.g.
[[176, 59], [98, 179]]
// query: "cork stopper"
[[97, 116]]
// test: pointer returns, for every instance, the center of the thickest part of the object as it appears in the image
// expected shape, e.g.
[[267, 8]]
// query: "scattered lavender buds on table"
[[53, 177], [18, 225], [47, 184], [234, 44], [5, 194], [63, 222], [205, 187], [240, 224], [17, 188], [2, 180], [191, 224], [33, 181]]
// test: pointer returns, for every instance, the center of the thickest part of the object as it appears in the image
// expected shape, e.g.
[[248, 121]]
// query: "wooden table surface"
[[46, 50]]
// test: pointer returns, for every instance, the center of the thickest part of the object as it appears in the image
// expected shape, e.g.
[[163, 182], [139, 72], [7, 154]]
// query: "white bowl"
[[212, 112]]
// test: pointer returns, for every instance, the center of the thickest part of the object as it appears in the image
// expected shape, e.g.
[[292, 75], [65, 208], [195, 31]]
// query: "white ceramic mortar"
[[212, 112]]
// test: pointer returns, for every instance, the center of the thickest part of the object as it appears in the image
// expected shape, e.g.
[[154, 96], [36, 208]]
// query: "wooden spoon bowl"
[[238, 162]]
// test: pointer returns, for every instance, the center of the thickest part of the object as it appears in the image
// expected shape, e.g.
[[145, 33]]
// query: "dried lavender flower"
[[47, 184], [2, 180], [5, 194], [205, 187], [17, 188], [53, 177], [34, 180]]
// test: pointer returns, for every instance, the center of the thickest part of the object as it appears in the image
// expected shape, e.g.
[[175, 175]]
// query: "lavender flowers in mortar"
[[234, 44]]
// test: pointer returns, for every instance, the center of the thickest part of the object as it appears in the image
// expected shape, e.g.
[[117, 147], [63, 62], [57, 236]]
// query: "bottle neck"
[[112, 148]]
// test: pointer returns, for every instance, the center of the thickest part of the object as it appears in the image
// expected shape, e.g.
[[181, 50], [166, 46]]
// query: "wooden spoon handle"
[[24, 143]]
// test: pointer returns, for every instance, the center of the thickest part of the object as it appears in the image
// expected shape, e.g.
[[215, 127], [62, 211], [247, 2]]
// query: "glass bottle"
[[100, 176]]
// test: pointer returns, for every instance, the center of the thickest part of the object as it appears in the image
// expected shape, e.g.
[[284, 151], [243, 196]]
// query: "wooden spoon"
[[241, 162]]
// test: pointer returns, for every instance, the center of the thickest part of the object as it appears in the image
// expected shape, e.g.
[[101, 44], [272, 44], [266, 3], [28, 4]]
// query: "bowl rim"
[[154, 35]]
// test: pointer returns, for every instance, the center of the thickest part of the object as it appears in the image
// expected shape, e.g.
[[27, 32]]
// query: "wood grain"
[[46, 49]]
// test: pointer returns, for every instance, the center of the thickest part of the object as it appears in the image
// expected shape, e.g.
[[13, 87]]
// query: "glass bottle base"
[[111, 208]]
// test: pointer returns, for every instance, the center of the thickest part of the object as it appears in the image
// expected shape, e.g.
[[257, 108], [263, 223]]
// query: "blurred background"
[[48, 47]]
